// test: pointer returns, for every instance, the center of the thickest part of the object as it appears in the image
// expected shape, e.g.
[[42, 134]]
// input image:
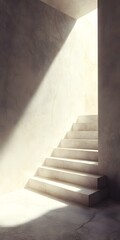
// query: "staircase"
[[72, 172]]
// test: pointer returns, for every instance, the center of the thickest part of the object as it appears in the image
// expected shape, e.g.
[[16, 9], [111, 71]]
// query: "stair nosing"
[[77, 149], [74, 160], [88, 115], [72, 130], [80, 139]]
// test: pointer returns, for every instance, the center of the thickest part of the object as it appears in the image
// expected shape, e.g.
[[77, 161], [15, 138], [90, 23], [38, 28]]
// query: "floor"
[[26, 215]]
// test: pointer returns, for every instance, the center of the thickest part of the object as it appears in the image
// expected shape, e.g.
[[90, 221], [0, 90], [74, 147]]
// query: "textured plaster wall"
[[48, 76], [73, 8], [109, 93]]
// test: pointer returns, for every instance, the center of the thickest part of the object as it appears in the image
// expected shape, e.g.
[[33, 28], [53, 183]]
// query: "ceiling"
[[73, 8]]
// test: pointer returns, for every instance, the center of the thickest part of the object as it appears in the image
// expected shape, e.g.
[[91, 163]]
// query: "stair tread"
[[88, 115], [86, 123], [80, 140], [67, 186], [85, 126], [71, 172], [82, 131], [79, 143], [75, 160], [76, 149], [90, 122]]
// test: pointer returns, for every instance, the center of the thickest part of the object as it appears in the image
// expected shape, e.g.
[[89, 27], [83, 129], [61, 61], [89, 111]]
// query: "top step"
[[91, 126], [87, 118]]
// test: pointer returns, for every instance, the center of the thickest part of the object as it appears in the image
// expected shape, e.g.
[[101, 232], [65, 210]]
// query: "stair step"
[[72, 164], [92, 126], [88, 197], [82, 134], [84, 154], [79, 143], [83, 179], [87, 118], [72, 173]]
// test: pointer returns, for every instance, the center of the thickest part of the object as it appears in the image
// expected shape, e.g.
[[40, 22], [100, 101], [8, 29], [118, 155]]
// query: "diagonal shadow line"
[[64, 222], [73, 8], [31, 35]]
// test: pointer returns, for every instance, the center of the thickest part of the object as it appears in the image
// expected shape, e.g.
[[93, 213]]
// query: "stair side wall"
[[109, 93]]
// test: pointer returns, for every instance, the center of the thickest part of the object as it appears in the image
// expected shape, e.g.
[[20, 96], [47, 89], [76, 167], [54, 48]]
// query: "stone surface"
[[46, 61], [72, 182], [109, 93], [73, 8], [25, 215]]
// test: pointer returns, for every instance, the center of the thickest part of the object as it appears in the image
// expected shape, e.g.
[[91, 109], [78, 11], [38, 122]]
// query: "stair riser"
[[67, 195], [98, 197], [59, 192], [82, 134], [81, 167], [84, 144], [75, 154], [82, 180], [87, 119], [85, 126], [66, 175]]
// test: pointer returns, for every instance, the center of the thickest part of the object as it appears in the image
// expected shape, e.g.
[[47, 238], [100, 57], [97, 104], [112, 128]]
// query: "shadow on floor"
[[70, 222]]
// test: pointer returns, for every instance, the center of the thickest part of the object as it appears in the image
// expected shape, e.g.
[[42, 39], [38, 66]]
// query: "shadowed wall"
[[109, 93]]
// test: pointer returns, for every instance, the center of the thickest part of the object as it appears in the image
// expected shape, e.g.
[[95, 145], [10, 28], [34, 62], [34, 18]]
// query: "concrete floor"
[[25, 215]]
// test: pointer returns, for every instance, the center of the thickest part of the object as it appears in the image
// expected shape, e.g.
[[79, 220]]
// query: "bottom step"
[[88, 197]]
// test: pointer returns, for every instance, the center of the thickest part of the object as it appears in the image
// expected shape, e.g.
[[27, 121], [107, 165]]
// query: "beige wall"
[[73, 8], [49, 77]]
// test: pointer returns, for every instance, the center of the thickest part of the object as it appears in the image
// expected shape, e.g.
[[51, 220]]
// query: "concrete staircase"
[[72, 172]]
